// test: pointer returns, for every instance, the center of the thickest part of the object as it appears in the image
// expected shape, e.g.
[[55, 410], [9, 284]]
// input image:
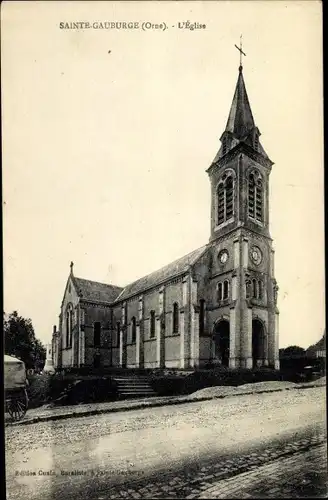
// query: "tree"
[[20, 341], [294, 350]]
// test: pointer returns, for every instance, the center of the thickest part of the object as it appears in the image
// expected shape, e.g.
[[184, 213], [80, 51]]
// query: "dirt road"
[[87, 457]]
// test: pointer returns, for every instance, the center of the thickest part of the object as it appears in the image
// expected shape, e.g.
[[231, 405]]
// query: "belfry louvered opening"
[[255, 197], [225, 199]]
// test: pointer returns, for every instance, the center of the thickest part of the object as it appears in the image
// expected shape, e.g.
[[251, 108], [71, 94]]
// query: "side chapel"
[[217, 304]]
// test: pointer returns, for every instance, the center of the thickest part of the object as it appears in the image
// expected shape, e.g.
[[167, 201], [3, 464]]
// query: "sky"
[[107, 135]]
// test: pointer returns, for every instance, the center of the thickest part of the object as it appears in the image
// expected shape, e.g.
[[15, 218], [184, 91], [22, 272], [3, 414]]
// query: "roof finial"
[[71, 266], [241, 53]]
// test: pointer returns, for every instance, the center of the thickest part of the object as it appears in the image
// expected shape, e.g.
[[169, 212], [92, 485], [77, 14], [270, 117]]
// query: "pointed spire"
[[71, 266], [240, 122], [240, 128]]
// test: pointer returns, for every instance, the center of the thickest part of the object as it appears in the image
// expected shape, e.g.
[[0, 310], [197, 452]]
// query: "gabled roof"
[[175, 268], [319, 346], [93, 290]]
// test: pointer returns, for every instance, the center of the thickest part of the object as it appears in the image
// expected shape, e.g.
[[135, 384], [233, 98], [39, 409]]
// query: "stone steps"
[[133, 387]]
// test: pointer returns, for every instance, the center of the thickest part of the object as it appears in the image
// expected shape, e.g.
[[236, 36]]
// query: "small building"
[[318, 350]]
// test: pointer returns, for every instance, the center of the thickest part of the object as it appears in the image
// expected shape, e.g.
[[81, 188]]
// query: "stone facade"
[[217, 304]]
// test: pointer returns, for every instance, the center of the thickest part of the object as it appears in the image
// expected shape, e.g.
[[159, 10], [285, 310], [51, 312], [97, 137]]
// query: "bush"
[[168, 385], [228, 377], [69, 389], [88, 391]]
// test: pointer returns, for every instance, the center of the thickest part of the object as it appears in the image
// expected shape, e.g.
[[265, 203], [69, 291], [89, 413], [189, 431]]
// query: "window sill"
[[255, 221], [223, 224], [223, 302], [253, 300]]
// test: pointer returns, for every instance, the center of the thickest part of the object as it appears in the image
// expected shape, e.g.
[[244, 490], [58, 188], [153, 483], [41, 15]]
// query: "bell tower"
[[243, 307]]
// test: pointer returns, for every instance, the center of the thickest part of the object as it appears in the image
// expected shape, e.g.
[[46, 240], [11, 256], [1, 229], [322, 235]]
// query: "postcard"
[[163, 211]]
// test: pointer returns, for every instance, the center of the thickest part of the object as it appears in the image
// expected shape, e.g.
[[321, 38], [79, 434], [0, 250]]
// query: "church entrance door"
[[222, 342], [257, 343]]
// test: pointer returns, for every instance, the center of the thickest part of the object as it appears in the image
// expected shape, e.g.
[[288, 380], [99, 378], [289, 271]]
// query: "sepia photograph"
[[163, 256]]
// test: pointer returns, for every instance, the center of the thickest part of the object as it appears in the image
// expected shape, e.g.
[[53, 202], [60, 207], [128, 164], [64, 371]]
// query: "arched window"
[[175, 327], [133, 330], [118, 334], [225, 289], [255, 197], [201, 316], [221, 204], [229, 198], [219, 291], [152, 324], [254, 289], [69, 325], [259, 201], [67, 328], [251, 196], [260, 294], [248, 289], [225, 199], [96, 334]]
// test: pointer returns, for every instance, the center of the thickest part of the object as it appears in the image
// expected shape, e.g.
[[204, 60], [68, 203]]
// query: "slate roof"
[[319, 346], [169, 271], [240, 123], [92, 290]]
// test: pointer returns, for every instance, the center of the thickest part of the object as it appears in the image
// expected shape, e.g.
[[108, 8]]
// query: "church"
[[216, 305]]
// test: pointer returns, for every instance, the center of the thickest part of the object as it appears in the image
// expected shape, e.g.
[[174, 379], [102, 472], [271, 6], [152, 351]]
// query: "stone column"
[[246, 313], [271, 338], [272, 263], [121, 348], [236, 253], [122, 336], [195, 338], [140, 333], [245, 253], [265, 349], [232, 346], [161, 303], [183, 319], [73, 346], [182, 339], [158, 341], [234, 294], [276, 343], [81, 336], [82, 348], [246, 349], [137, 346], [194, 325]]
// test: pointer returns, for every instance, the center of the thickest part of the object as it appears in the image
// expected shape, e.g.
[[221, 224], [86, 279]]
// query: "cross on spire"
[[241, 53]]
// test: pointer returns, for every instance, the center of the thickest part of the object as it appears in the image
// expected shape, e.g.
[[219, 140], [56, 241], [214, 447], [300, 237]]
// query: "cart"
[[16, 400]]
